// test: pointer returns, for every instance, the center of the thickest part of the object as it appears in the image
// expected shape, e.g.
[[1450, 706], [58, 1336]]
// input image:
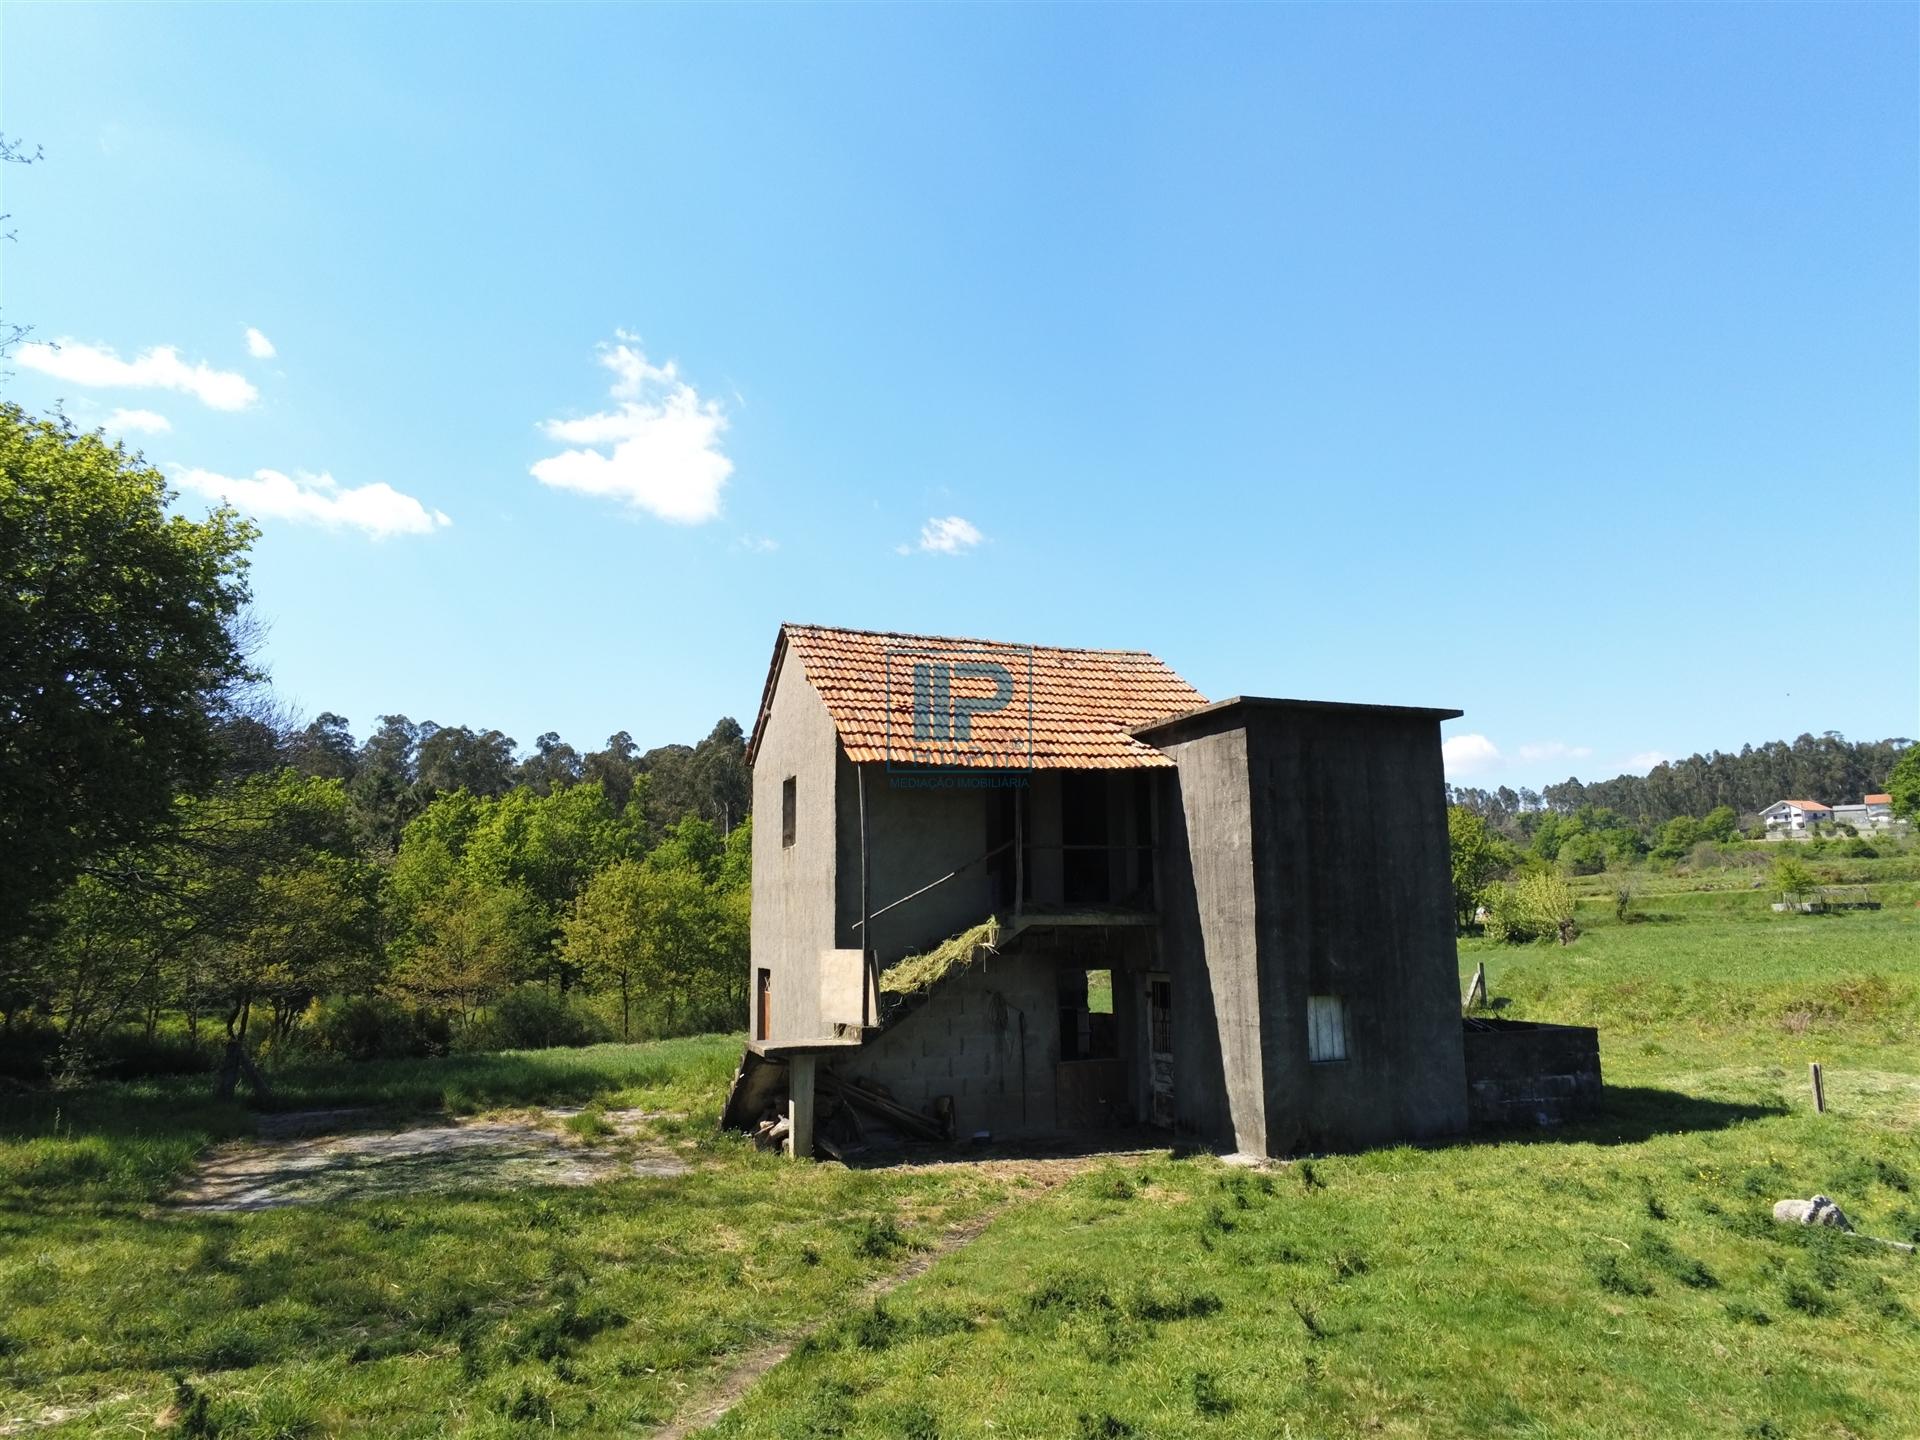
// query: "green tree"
[[468, 944], [1903, 784], [657, 931], [118, 649], [1677, 837], [1721, 824], [1790, 874], [1476, 861], [1536, 905], [1585, 853], [613, 769], [323, 748], [255, 894]]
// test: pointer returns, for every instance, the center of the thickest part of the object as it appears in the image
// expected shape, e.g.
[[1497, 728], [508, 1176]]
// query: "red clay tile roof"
[[1878, 800], [1069, 710], [1804, 804]]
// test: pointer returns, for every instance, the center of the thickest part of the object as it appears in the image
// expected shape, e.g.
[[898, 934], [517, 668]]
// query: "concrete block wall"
[[965, 1041], [1520, 1073]]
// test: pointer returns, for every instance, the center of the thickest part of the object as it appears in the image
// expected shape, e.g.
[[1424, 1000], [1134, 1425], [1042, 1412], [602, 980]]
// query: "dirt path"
[[291, 1164], [1040, 1175]]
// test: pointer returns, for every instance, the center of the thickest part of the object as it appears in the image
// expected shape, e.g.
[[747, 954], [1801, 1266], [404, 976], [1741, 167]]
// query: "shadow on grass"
[[1632, 1114], [1626, 1115], [883, 1151]]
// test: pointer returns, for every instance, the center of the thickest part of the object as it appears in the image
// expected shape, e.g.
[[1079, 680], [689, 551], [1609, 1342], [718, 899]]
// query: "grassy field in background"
[[1620, 1279]]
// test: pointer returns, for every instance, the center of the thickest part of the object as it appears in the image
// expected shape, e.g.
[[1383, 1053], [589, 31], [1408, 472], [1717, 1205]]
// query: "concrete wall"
[[1306, 855], [793, 886], [914, 837], [1208, 943], [1355, 900], [1530, 1074]]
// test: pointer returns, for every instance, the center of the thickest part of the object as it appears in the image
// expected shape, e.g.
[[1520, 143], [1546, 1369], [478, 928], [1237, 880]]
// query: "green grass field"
[[592, 1310], [1624, 1279], [1621, 1279]]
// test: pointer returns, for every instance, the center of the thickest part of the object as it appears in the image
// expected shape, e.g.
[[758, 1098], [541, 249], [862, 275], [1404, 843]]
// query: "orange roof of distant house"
[[1070, 709], [1878, 800], [1806, 804]]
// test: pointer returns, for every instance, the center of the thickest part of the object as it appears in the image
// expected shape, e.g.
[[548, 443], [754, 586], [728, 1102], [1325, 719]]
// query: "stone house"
[[1124, 905]]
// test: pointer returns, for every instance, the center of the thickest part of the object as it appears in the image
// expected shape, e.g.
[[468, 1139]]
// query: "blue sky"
[[1554, 363]]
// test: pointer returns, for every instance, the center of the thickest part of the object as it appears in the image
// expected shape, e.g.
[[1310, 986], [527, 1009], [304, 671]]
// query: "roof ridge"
[[962, 639]]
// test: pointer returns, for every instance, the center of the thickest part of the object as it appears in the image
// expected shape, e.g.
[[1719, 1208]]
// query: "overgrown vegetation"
[[191, 871], [914, 974]]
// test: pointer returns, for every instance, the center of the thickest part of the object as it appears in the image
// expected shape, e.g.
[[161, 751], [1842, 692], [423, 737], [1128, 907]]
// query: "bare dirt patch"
[[290, 1165]]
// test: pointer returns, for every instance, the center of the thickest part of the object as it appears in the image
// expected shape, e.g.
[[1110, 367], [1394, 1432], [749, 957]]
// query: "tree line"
[[186, 859], [1827, 767]]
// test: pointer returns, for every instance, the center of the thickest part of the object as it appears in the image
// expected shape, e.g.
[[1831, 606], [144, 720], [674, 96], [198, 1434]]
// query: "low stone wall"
[[1521, 1072]]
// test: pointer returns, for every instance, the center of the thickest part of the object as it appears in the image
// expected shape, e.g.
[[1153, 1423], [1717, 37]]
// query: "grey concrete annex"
[[1262, 884]]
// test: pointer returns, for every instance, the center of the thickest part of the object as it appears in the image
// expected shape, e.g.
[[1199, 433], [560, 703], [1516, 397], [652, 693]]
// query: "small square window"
[[1326, 1028], [789, 811]]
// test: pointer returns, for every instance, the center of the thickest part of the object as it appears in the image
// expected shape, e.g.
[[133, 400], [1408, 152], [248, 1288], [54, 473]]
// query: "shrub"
[[1584, 854], [1536, 906], [135, 1055], [27, 1050], [372, 1027], [1790, 875], [531, 1017]]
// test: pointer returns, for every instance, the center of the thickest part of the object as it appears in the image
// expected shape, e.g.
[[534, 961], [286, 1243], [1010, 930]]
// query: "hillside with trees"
[[1827, 767], [192, 872]]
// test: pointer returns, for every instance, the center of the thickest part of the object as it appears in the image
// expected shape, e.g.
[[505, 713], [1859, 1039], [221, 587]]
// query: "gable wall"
[[793, 886]]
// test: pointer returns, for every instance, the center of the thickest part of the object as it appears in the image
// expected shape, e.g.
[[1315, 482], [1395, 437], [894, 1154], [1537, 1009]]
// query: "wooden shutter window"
[[1326, 1028]]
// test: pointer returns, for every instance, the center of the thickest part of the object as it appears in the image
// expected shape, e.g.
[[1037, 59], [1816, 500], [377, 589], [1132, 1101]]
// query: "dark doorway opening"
[[1085, 830], [1087, 1027], [1090, 1082], [1160, 1050], [1002, 868]]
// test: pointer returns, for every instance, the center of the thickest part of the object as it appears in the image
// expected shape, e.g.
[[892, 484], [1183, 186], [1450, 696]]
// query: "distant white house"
[[1794, 819]]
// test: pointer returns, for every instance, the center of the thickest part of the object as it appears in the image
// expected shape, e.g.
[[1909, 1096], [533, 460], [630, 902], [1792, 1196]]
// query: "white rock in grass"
[[1817, 1211]]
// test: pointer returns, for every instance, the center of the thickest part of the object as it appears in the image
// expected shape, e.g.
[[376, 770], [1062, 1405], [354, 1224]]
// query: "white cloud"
[[259, 346], [1646, 760], [138, 422], [759, 544], [947, 535], [1554, 750], [159, 368], [377, 510], [658, 449], [1465, 755]]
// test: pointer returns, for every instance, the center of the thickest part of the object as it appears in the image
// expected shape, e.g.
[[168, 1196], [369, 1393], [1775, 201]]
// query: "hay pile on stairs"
[[916, 974]]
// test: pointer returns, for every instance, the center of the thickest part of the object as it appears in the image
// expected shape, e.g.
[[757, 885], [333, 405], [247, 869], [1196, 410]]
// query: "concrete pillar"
[[800, 1106]]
